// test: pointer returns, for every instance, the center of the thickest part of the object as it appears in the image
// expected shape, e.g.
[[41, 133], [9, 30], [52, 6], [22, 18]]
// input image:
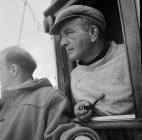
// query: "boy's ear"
[[93, 33], [14, 69]]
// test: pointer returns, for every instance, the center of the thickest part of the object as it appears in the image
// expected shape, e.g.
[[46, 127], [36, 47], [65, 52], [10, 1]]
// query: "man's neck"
[[101, 48], [17, 83]]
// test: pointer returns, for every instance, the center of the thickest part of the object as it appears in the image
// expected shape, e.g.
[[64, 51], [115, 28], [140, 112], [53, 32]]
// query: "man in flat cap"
[[102, 68], [101, 74]]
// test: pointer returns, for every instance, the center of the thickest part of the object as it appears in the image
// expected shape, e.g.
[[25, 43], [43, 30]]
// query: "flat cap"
[[73, 11]]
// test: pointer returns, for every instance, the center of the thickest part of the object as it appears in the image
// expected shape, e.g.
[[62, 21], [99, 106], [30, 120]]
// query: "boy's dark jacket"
[[32, 111]]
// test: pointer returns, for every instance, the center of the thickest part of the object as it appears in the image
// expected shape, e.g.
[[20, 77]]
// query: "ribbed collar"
[[112, 48]]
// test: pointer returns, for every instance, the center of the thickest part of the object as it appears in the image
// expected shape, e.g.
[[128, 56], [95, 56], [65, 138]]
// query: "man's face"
[[76, 41], [5, 74]]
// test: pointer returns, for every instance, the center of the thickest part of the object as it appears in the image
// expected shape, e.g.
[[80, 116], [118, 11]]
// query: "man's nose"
[[64, 42]]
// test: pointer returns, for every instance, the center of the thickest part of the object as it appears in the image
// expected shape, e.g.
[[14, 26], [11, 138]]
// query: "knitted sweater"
[[110, 76]]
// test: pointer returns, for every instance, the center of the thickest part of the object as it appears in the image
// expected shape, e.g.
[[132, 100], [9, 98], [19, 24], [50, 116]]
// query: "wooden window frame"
[[131, 34]]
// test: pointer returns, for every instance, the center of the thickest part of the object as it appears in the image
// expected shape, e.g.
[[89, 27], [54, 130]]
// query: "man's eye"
[[69, 32]]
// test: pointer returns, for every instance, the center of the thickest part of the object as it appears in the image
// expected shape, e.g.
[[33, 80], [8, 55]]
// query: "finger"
[[81, 112], [82, 103], [86, 116]]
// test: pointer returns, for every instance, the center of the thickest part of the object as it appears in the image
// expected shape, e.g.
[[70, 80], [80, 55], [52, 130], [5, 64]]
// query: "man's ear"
[[93, 33], [15, 69]]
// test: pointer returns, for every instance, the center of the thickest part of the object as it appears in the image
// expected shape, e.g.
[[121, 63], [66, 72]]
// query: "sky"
[[32, 38]]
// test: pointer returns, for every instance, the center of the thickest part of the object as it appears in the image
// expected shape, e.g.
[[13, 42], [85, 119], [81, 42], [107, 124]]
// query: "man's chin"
[[72, 57]]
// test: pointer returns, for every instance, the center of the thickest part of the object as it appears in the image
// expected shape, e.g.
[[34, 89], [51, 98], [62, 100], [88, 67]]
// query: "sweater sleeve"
[[58, 114]]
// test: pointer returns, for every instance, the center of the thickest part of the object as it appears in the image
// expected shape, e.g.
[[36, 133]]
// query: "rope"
[[22, 23]]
